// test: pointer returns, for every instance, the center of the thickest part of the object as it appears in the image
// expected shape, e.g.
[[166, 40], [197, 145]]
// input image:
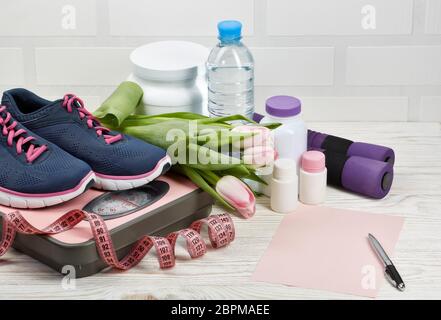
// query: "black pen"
[[391, 272]]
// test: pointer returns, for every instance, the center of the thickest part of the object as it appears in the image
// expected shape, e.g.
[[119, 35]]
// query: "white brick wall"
[[430, 109], [433, 17], [82, 66], [286, 66], [44, 18], [344, 64], [177, 18], [337, 17], [401, 65], [368, 108], [11, 66]]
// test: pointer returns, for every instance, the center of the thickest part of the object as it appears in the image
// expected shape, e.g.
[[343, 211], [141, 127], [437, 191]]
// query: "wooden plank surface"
[[225, 273]]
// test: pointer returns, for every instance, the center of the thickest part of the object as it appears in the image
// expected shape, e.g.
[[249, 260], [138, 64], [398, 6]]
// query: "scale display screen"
[[115, 204]]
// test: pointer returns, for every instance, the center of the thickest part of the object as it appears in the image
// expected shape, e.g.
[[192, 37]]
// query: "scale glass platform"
[[167, 204]]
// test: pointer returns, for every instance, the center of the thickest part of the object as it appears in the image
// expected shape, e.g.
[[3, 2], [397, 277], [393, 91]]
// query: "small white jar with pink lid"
[[312, 178]]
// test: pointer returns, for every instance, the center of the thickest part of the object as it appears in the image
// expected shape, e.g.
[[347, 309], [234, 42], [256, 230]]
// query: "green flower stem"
[[199, 181], [209, 176]]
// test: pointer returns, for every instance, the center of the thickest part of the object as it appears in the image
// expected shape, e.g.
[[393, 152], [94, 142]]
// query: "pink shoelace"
[[92, 122], [33, 151]]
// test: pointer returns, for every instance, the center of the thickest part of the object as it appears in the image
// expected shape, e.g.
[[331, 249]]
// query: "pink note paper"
[[327, 249]]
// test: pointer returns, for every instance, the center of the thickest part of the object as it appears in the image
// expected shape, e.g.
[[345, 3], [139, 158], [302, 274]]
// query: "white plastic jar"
[[290, 139], [312, 178], [284, 186], [172, 76]]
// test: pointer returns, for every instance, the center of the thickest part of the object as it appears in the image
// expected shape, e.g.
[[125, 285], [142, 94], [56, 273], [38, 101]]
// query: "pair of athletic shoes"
[[53, 151]]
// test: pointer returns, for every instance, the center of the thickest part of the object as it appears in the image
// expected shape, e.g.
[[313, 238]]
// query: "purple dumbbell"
[[257, 117], [350, 148], [368, 177], [340, 145], [362, 168]]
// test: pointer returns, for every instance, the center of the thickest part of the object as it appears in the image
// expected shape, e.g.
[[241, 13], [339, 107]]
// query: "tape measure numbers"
[[220, 233]]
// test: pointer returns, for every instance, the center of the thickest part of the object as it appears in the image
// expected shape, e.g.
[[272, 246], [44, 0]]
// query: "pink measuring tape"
[[220, 233]]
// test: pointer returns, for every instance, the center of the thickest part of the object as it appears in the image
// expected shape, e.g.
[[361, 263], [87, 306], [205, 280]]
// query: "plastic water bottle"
[[230, 72]]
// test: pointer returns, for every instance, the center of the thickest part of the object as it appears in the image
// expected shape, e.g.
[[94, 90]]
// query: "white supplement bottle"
[[284, 186], [290, 139], [312, 178]]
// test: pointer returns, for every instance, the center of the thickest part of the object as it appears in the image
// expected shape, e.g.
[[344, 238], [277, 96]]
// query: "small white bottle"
[[266, 174], [290, 139], [312, 178], [284, 186]]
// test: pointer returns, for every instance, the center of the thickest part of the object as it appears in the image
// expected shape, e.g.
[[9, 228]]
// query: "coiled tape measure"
[[116, 204]]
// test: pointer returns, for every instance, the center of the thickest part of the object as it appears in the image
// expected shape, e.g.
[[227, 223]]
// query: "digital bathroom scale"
[[165, 205]]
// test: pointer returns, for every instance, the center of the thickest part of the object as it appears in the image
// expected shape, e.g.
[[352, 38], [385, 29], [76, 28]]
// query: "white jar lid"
[[169, 60], [284, 168]]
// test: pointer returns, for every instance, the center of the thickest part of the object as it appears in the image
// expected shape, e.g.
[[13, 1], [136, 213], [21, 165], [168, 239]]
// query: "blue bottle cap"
[[229, 30]]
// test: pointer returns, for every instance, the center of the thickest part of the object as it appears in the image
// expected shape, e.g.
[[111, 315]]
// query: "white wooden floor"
[[225, 273]]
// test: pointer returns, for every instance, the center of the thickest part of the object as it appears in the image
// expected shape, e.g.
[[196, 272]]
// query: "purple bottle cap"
[[283, 106]]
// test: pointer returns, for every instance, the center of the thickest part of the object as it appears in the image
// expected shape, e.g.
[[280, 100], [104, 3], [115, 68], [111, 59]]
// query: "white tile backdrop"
[[314, 49]]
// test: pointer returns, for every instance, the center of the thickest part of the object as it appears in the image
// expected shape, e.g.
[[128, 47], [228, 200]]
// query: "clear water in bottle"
[[230, 72]]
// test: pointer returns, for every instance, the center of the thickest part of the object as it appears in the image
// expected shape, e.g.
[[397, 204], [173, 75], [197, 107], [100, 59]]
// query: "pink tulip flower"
[[259, 156], [262, 137], [238, 195]]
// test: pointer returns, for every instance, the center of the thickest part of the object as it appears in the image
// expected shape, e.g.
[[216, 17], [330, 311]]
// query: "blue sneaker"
[[119, 161], [35, 173]]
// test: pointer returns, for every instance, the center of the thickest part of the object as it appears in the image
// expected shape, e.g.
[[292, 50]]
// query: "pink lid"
[[313, 161]]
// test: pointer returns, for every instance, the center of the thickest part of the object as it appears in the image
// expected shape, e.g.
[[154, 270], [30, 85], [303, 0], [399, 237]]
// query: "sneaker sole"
[[112, 183], [24, 200]]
